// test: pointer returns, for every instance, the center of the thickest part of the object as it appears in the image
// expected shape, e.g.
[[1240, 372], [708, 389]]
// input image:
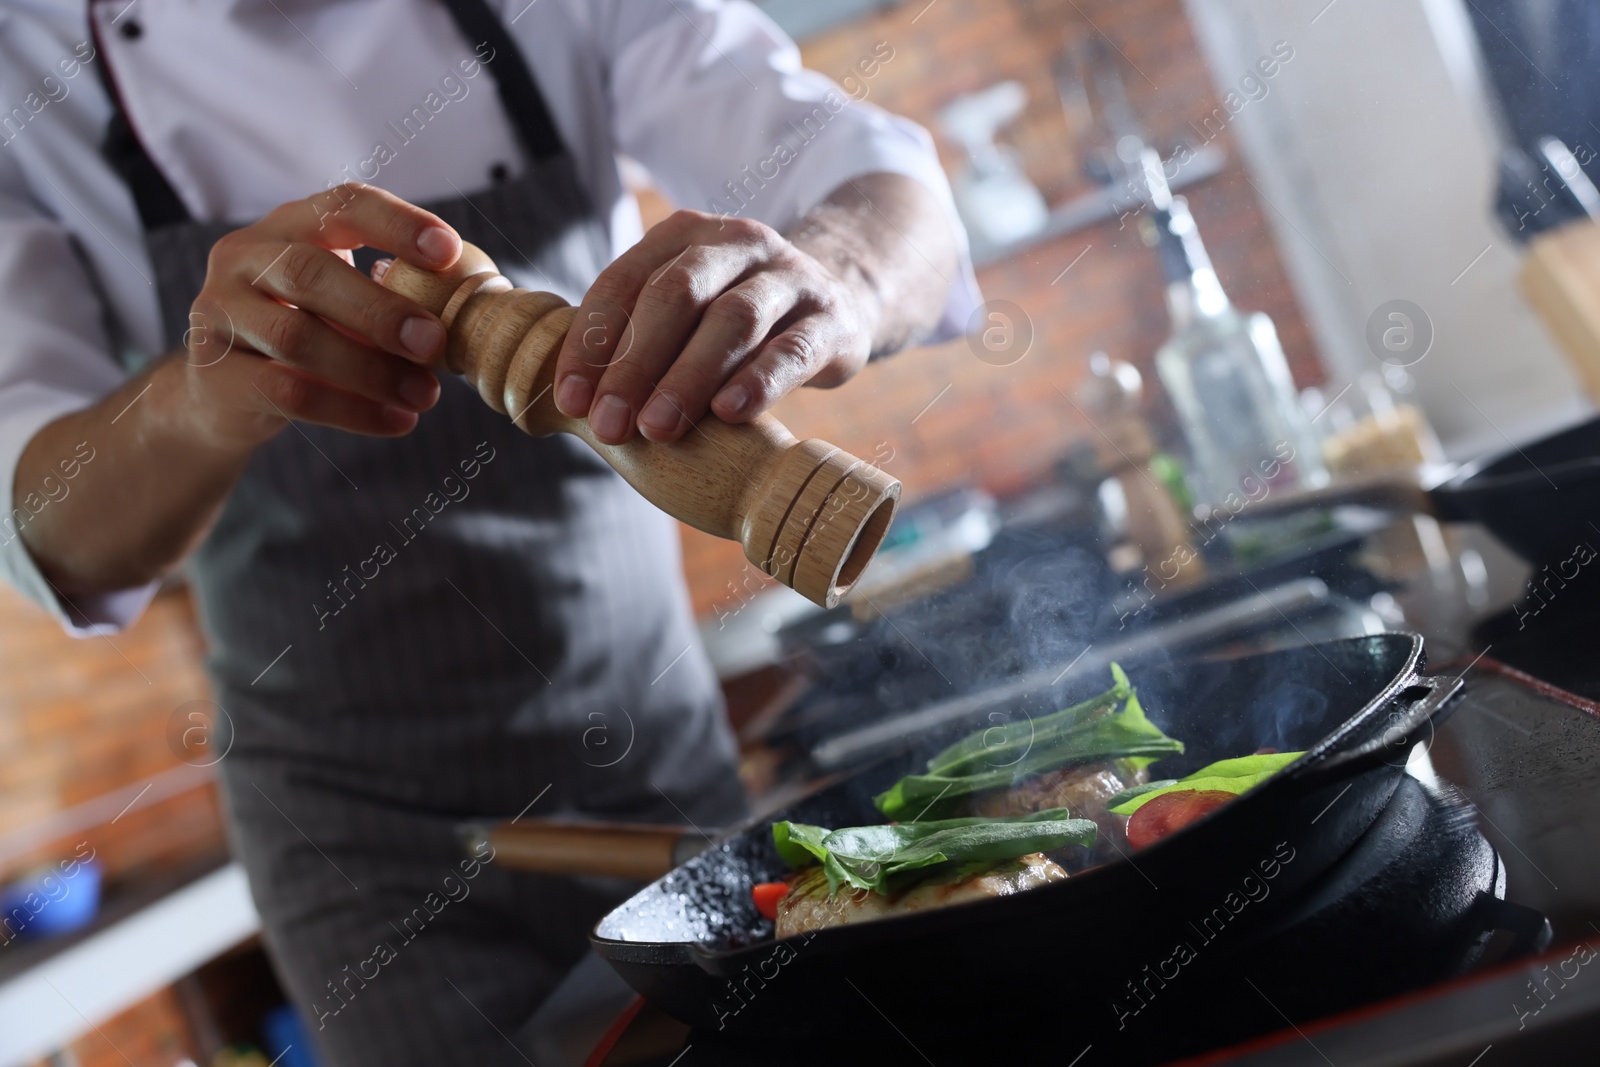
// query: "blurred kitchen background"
[[1366, 168]]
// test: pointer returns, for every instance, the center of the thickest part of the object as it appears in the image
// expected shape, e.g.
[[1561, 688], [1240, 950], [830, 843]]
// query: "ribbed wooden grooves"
[[806, 513]]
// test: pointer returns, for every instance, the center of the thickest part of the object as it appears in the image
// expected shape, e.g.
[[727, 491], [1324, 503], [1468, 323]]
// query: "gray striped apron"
[[459, 623]]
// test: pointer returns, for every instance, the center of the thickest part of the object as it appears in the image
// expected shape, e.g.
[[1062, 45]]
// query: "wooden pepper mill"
[[1124, 446], [807, 513]]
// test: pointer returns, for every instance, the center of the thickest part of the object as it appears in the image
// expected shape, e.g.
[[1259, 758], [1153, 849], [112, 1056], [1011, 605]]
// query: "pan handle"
[[1530, 930], [1398, 491], [1429, 702], [616, 850]]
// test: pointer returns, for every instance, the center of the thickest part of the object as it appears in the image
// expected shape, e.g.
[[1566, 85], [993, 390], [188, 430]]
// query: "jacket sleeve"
[[54, 358], [712, 99]]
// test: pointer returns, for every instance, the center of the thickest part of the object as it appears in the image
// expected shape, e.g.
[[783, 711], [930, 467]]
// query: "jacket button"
[[499, 172], [132, 30]]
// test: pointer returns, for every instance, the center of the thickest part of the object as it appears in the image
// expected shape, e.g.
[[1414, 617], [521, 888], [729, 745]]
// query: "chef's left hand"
[[725, 314]]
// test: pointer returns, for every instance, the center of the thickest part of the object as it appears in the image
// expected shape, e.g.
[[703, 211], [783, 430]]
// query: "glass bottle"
[[1227, 377]]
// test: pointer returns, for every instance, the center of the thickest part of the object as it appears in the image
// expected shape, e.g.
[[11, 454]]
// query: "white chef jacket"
[[245, 104]]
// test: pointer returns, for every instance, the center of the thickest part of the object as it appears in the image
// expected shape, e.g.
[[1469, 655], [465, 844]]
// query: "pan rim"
[[1472, 477]]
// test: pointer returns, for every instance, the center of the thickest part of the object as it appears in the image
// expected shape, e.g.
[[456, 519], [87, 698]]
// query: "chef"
[[416, 614]]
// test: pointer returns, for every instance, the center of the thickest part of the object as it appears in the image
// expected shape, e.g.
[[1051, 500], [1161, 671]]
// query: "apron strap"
[[519, 93], [159, 203]]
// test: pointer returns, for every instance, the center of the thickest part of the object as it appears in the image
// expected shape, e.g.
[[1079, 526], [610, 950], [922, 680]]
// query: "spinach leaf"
[[800, 845], [1228, 776], [881, 858], [1001, 745], [1083, 733]]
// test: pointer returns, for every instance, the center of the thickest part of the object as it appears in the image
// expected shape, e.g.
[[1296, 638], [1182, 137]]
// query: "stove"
[[1463, 929], [1463, 924]]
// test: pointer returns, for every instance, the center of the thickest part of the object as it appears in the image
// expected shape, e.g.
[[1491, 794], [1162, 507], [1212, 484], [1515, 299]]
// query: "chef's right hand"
[[286, 328]]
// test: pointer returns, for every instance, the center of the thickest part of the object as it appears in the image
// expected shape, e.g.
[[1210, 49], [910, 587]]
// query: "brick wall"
[[82, 718], [152, 1033], [1003, 427]]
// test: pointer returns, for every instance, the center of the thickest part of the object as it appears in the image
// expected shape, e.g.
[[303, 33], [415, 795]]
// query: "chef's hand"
[[306, 335], [724, 314]]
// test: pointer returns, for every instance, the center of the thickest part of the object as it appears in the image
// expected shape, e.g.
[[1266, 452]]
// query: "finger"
[[300, 339], [805, 351], [734, 326], [354, 215], [664, 317], [291, 394], [324, 283], [600, 335]]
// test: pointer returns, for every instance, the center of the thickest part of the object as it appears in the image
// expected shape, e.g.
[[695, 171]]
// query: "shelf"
[[71, 991], [1104, 203]]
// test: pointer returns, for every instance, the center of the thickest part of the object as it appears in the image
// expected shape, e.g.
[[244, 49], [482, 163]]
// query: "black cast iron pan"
[[693, 944], [1540, 500]]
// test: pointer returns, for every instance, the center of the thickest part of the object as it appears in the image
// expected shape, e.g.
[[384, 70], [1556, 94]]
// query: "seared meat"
[[1082, 790], [808, 905]]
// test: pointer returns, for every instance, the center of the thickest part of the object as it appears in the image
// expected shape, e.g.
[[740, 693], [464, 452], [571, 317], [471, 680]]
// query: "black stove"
[[1427, 945]]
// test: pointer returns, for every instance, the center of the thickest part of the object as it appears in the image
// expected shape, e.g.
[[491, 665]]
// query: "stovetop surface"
[[1552, 632]]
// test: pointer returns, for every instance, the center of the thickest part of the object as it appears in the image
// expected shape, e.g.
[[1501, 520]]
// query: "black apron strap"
[[159, 204], [519, 93]]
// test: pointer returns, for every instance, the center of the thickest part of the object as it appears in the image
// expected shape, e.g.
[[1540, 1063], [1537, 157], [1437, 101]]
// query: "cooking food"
[[1160, 808], [1032, 787], [1077, 759], [810, 905], [1082, 790], [860, 873]]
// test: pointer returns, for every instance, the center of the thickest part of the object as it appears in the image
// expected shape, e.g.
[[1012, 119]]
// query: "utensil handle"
[[1530, 930], [614, 850], [1429, 704], [1390, 491]]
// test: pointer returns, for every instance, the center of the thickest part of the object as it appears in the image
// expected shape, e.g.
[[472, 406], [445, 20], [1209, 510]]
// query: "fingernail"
[[574, 395], [734, 400], [419, 389], [437, 244], [610, 418], [381, 267], [662, 414], [421, 337]]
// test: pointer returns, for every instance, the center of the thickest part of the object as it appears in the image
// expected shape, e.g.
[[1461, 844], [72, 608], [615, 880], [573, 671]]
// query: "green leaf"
[[880, 858], [1000, 745], [1083, 733], [1234, 776], [799, 844]]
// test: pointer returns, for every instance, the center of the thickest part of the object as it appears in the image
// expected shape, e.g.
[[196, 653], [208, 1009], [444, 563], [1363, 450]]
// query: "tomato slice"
[[766, 896], [1171, 812]]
